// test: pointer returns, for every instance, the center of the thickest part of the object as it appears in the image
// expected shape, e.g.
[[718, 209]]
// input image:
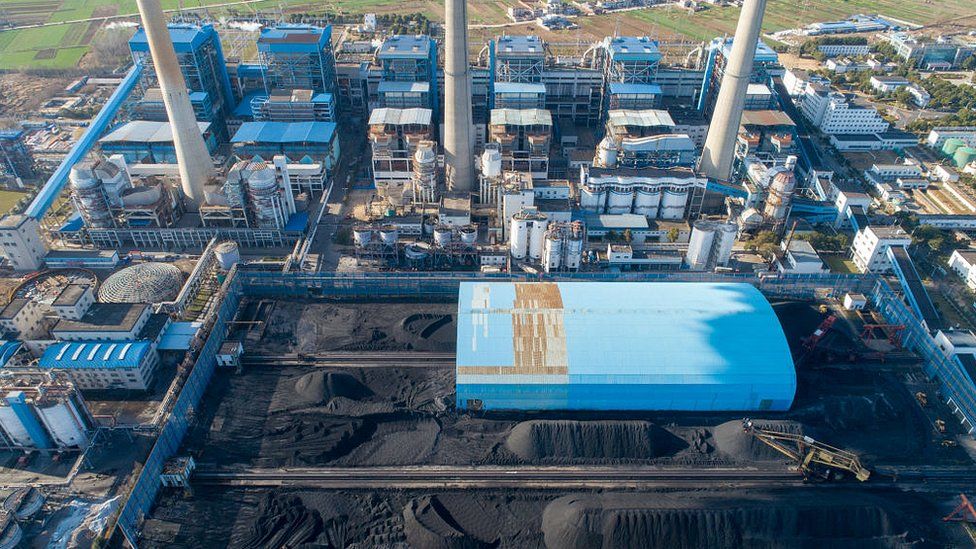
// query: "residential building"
[[888, 84]]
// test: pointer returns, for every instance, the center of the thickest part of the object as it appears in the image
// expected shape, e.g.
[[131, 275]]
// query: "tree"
[[627, 235], [673, 234], [111, 48]]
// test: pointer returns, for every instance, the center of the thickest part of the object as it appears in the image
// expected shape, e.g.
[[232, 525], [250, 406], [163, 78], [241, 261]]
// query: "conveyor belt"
[[915, 291]]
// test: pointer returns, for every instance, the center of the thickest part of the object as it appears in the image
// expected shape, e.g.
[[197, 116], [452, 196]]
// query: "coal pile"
[[283, 521], [569, 440], [732, 440], [311, 439], [665, 521], [318, 388], [437, 522]]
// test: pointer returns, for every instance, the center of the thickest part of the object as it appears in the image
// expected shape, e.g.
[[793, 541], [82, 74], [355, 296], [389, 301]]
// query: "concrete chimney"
[[719, 151], [458, 127], [194, 160]]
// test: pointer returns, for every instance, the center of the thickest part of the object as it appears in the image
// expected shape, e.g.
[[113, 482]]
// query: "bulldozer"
[[815, 460]]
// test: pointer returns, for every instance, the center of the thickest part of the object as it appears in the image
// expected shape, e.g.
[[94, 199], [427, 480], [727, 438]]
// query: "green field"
[[8, 199], [63, 46]]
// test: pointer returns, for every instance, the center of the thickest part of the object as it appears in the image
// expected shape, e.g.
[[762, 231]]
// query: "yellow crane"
[[812, 458]]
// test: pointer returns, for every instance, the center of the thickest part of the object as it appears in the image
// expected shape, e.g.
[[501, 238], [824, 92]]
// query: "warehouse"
[[620, 346], [104, 365]]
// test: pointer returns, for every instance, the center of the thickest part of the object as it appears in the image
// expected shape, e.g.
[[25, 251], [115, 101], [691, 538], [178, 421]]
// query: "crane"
[[813, 458]]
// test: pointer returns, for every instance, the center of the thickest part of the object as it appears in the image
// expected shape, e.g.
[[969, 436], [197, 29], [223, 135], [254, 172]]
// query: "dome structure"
[[142, 283]]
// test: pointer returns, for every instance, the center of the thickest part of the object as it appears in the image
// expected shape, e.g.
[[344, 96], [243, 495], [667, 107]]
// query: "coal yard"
[[313, 441]]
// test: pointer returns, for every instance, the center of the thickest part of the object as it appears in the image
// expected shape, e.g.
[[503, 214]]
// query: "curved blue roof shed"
[[620, 346]]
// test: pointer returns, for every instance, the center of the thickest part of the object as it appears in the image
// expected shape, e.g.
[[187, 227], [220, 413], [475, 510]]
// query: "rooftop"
[[402, 46], [521, 117], [400, 117], [71, 295], [105, 317], [766, 118], [91, 355], [888, 231], [616, 221], [516, 45], [297, 37], [145, 131], [13, 308], [632, 48], [186, 37], [285, 132], [644, 118]]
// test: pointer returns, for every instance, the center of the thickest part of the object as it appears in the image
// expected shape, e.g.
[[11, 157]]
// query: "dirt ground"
[[312, 416], [22, 94]]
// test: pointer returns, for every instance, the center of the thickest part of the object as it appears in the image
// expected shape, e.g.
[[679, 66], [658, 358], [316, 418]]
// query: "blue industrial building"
[[620, 346], [630, 72], [408, 77], [298, 57], [149, 142], [204, 68], [765, 67], [103, 364], [318, 140], [15, 159]]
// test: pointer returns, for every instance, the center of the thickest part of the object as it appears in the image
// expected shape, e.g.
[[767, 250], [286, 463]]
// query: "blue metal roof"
[[285, 132], [519, 45], [632, 48], [251, 70], [178, 336], [623, 345], [297, 222], [388, 86], [186, 38], [74, 223], [11, 134], [518, 87], [95, 354], [7, 351], [635, 89], [245, 109]]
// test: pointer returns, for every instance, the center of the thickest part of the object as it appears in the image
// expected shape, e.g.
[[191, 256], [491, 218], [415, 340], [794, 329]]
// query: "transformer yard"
[[340, 429]]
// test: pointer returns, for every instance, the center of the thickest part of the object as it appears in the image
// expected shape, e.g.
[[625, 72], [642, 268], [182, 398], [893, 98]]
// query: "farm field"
[[63, 46]]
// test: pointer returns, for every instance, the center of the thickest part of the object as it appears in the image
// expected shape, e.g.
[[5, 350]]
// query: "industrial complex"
[[344, 286]]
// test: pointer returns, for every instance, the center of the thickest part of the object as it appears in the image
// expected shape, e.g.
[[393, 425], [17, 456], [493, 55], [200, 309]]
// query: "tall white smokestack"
[[719, 151], [194, 160], [458, 131]]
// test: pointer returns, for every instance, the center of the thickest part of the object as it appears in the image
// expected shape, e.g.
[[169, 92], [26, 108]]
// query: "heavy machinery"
[[810, 343], [814, 459]]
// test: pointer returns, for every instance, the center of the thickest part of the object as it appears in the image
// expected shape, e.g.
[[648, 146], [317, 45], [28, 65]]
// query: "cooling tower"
[[719, 151], [194, 160], [458, 130]]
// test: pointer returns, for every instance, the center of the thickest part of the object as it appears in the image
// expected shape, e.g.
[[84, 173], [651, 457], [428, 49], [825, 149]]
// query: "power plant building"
[[15, 158], [319, 140], [620, 346], [298, 57], [149, 142]]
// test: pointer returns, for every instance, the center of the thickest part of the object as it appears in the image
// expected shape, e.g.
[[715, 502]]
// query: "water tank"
[[673, 203], [951, 144], [227, 254], [469, 235], [963, 156], [361, 236], [519, 239], [389, 235], [552, 251], [621, 200], [537, 237], [63, 421], [443, 235], [593, 199], [647, 202], [491, 162]]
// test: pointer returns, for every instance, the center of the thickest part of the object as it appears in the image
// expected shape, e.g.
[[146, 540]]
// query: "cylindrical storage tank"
[[780, 196], [963, 156], [425, 172], [24, 502], [537, 237], [362, 236], [592, 199], [951, 145], [491, 161], [519, 239], [389, 235], [552, 251], [428, 224], [700, 245], [574, 249], [90, 197], [227, 254], [621, 200], [13, 428], [469, 235], [606, 153], [648, 201], [443, 235], [673, 203], [10, 532], [63, 423], [265, 200]]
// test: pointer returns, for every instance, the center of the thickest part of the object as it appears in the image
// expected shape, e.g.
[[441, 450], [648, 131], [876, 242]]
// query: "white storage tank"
[[227, 254], [265, 199], [491, 161], [574, 247], [519, 239], [362, 236], [552, 251], [593, 199], [781, 191], [537, 236], [417, 252], [621, 200], [606, 154], [673, 203], [469, 235], [647, 201], [90, 197], [443, 235], [389, 235]]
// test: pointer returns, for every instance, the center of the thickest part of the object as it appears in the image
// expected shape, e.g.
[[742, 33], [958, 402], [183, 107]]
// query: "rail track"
[[354, 359]]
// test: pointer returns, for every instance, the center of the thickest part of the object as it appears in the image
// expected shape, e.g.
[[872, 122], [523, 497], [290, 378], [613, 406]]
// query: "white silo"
[[265, 198], [443, 236], [519, 239], [781, 191], [573, 255], [389, 235], [537, 236], [90, 198], [362, 236], [647, 201], [606, 153], [621, 199], [673, 203], [469, 235], [491, 161], [552, 256], [425, 173], [710, 245], [227, 254]]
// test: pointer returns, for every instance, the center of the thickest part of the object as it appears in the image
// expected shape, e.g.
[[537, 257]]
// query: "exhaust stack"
[[719, 151], [458, 128], [194, 160]]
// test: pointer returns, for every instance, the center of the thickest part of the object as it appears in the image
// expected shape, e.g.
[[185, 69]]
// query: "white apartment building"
[[869, 251], [797, 80]]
